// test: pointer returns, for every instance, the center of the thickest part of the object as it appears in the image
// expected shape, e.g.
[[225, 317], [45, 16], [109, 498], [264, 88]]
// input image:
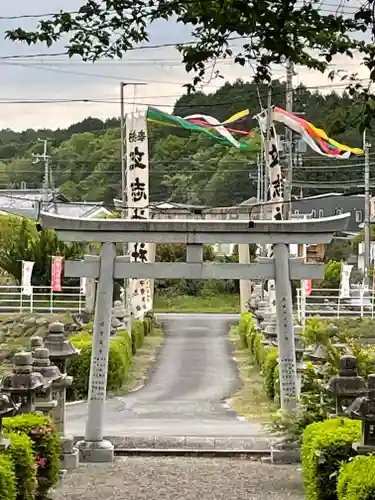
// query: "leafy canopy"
[[273, 31]]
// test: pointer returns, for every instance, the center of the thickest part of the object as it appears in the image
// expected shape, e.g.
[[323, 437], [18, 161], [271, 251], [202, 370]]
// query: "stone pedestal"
[[70, 454], [96, 451]]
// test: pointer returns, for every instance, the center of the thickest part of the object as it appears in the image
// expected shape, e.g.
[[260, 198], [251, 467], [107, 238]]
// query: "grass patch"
[[250, 401], [229, 303], [143, 361]]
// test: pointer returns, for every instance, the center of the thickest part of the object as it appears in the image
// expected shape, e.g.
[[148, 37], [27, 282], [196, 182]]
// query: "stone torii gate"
[[194, 234]]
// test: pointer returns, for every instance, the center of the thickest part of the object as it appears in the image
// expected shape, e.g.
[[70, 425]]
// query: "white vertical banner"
[[345, 281], [27, 271], [138, 200], [83, 285], [276, 184]]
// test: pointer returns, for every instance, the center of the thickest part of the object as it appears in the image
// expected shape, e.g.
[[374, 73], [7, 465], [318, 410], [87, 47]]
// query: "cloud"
[[60, 78]]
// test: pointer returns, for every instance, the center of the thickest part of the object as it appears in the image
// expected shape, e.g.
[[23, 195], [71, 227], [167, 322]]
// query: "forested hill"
[[184, 167]]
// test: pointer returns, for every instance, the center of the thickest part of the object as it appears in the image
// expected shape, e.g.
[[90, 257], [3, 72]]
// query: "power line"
[[323, 8], [278, 92], [131, 49]]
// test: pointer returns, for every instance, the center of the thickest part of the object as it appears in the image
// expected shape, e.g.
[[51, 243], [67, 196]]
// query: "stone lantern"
[[42, 364], [36, 341], [60, 351], [7, 409], [347, 385], [363, 409], [270, 331], [22, 384]]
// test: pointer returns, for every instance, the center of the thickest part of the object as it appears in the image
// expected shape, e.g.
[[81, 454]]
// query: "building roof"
[[57, 203]]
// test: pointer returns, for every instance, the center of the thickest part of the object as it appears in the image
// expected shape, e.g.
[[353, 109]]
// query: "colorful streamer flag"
[[220, 132], [27, 271], [56, 273], [315, 137]]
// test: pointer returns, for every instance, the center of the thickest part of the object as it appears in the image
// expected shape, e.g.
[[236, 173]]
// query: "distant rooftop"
[[57, 203]]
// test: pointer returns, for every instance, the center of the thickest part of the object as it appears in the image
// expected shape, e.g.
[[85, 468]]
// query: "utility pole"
[[367, 245], [289, 141], [266, 157], [46, 179]]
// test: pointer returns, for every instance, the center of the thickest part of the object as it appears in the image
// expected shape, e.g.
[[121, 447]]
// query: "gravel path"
[[150, 478], [184, 395]]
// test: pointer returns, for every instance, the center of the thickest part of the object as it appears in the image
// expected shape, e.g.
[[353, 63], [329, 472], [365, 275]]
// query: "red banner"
[[308, 287], [56, 272]]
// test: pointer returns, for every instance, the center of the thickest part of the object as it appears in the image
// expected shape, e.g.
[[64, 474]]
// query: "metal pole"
[[266, 149], [367, 235], [258, 178], [289, 142]]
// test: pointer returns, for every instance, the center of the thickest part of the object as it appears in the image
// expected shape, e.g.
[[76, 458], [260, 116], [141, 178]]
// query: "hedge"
[[264, 356], [46, 446], [24, 462], [121, 351], [8, 487], [325, 446], [357, 479]]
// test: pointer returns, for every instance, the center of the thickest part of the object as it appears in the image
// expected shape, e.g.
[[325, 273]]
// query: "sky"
[[160, 70]]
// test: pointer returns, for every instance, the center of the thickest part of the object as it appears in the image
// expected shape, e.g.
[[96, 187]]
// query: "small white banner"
[[27, 271], [83, 285], [344, 281]]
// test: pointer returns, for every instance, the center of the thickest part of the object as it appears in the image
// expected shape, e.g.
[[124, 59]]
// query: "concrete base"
[[96, 451], [285, 453], [70, 460]]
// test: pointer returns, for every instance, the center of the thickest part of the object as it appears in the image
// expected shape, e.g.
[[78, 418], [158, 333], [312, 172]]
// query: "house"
[[19, 199], [328, 205]]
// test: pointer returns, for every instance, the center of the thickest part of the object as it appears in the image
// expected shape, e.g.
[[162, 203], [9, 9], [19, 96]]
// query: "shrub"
[[243, 328], [119, 362], [23, 457], [357, 479], [259, 350], [47, 446], [270, 364], [7, 479], [325, 445], [138, 334]]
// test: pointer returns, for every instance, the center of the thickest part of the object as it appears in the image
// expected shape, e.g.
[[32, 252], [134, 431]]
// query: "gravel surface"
[[150, 478]]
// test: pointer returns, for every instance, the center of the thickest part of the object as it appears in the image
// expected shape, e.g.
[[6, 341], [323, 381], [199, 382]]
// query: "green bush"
[[138, 335], [357, 479], [243, 328], [119, 362], [8, 489], [47, 446], [325, 445], [23, 457], [270, 364]]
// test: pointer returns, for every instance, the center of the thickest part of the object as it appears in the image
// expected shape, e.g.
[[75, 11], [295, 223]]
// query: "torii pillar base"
[[96, 451]]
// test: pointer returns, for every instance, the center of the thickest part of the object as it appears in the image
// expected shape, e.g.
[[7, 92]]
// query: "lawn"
[[229, 303]]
